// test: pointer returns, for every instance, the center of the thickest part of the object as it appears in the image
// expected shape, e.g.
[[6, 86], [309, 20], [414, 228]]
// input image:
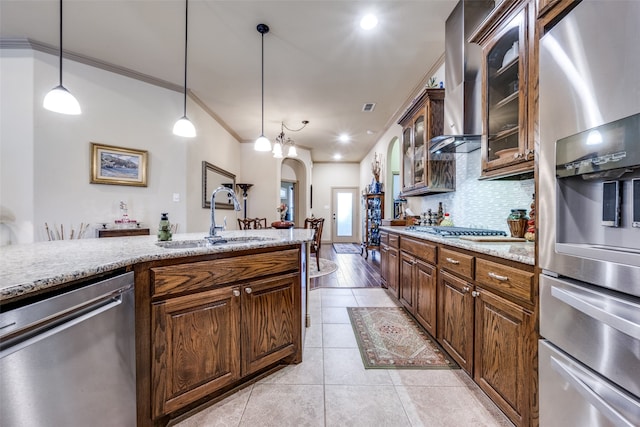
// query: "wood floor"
[[354, 271]]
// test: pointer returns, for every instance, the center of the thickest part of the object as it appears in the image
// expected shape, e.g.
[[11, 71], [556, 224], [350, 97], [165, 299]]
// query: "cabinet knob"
[[452, 261], [497, 276], [475, 294], [236, 293], [248, 290], [466, 289]]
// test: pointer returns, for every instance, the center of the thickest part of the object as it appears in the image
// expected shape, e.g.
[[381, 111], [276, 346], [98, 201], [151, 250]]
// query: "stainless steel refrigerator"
[[589, 217]]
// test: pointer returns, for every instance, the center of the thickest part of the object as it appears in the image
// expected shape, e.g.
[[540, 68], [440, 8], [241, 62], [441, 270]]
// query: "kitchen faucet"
[[214, 229]]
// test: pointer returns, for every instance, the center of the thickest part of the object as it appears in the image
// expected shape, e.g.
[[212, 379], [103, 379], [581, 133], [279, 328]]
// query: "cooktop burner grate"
[[456, 231]]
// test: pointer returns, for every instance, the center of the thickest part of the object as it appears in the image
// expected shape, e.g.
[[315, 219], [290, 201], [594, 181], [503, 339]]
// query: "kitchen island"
[[208, 318]]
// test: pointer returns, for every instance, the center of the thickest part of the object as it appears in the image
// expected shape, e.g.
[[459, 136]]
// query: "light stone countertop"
[[523, 252], [37, 266]]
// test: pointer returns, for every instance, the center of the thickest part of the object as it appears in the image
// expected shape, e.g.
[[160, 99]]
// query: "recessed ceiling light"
[[337, 156], [370, 132], [344, 137], [368, 22]]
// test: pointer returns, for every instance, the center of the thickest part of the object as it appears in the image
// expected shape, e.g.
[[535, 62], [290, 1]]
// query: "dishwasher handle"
[[53, 326]]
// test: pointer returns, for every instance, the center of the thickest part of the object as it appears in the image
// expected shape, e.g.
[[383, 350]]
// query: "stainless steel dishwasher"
[[69, 360]]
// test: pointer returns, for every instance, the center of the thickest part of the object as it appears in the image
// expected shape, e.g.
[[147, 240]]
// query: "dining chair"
[[260, 222], [316, 224], [246, 223]]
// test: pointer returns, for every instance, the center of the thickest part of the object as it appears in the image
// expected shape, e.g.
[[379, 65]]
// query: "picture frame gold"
[[118, 165]]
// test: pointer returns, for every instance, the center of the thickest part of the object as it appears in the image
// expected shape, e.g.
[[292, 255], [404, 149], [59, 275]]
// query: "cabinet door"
[[392, 270], [196, 347], [504, 354], [426, 291], [455, 323], [505, 97], [406, 281], [384, 264], [419, 151], [407, 158], [270, 321]]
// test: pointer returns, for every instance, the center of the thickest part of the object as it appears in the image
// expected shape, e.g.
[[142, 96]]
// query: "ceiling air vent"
[[368, 107]]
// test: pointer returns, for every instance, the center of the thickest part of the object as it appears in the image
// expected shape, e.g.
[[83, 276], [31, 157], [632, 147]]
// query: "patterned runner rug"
[[347, 248], [388, 338]]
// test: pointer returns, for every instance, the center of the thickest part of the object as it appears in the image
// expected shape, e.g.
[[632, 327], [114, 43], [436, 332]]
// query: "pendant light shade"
[[183, 126], [59, 99], [262, 143], [292, 151]]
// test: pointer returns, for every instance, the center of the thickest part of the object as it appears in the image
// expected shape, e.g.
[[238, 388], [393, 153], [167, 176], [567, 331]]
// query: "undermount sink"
[[217, 241]]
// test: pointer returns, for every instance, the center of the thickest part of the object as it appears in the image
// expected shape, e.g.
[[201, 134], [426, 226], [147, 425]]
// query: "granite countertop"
[[523, 252], [37, 266]]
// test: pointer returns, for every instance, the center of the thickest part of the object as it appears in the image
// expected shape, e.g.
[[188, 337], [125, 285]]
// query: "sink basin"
[[218, 241]]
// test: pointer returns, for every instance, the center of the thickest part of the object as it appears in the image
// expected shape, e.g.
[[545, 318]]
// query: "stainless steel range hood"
[[463, 80]]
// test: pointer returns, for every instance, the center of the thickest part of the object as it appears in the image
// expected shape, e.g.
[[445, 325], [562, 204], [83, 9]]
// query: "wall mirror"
[[212, 178]]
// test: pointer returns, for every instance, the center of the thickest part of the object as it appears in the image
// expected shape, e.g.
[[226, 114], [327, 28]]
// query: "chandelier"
[[283, 141]]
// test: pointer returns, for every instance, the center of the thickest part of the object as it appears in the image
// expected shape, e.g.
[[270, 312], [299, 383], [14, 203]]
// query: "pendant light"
[[183, 126], [262, 143], [59, 99]]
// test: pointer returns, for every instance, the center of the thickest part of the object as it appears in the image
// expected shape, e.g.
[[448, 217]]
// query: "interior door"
[[345, 215]]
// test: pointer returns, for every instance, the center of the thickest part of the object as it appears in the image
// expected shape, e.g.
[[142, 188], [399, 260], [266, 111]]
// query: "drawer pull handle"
[[475, 294], [248, 290], [498, 277], [452, 261], [236, 293]]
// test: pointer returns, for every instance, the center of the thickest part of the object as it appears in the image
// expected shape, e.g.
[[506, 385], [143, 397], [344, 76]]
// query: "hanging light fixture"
[[282, 141], [59, 99], [183, 126], [262, 143]]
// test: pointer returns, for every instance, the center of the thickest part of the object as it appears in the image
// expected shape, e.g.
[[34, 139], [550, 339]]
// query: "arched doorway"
[[394, 187], [293, 189]]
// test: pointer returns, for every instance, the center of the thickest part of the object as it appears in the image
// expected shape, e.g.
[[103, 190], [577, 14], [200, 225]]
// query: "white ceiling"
[[319, 65]]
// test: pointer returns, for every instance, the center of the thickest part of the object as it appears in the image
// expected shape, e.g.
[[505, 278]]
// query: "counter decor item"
[[530, 234], [164, 228], [282, 210], [517, 222], [376, 169], [446, 221]]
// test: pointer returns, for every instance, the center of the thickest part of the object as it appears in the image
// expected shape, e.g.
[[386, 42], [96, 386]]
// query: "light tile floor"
[[332, 388]]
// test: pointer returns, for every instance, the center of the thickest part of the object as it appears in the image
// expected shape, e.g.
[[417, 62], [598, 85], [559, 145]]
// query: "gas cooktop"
[[456, 231]]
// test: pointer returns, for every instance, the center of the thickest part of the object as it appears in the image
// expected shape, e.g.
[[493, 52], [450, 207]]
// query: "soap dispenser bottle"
[[164, 228]]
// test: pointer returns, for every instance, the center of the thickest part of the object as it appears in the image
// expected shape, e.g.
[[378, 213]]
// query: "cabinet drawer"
[[509, 280], [457, 262], [199, 275], [384, 238], [394, 241], [419, 249]]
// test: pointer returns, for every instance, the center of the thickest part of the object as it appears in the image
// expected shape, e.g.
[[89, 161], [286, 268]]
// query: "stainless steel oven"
[[589, 243]]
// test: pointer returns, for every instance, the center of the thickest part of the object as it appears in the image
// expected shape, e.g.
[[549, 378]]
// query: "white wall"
[[325, 177], [53, 150]]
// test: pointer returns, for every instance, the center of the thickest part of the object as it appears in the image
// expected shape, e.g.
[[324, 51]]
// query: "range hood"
[[463, 80]]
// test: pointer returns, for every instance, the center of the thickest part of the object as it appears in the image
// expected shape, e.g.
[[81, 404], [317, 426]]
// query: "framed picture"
[[118, 165], [212, 178]]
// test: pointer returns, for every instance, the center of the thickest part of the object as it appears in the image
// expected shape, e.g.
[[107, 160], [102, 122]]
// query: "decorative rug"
[[389, 338], [347, 248], [326, 267]]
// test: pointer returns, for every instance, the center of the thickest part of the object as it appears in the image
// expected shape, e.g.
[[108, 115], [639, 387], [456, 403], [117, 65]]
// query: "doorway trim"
[[355, 215]]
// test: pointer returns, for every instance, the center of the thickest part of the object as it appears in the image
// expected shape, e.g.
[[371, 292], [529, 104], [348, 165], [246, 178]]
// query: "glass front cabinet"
[[423, 172], [373, 207], [506, 38]]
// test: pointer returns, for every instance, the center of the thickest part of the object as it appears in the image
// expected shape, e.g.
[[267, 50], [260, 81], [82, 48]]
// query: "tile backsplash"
[[475, 203]]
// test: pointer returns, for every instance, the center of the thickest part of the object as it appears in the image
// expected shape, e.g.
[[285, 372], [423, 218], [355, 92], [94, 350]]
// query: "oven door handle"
[[586, 385], [578, 302]]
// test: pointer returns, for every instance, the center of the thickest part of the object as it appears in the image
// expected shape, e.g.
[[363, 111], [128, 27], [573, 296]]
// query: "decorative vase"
[[517, 222]]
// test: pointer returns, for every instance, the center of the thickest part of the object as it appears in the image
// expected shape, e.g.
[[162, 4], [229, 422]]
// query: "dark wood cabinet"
[[422, 171], [196, 347], [455, 323], [216, 323], [270, 324], [426, 308], [389, 262], [503, 353], [509, 72], [405, 291]]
